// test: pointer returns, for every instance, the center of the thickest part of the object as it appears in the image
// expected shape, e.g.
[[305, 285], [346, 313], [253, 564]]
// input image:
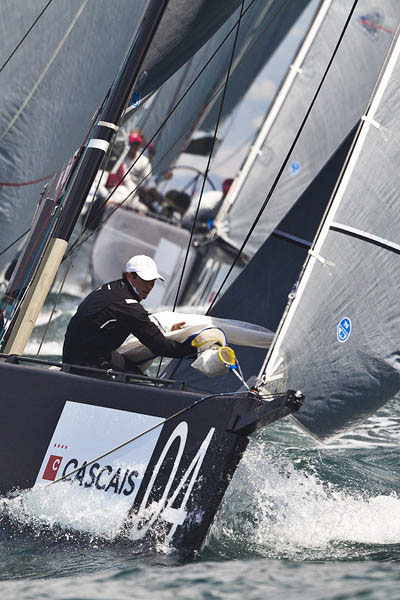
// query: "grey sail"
[[259, 294], [340, 103], [340, 338], [41, 107], [267, 37], [262, 28], [65, 68]]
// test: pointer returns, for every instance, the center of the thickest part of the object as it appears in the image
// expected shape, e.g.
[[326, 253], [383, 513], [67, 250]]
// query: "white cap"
[[144, 266]]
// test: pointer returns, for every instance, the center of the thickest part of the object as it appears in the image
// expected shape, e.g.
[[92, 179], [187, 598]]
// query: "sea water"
[[300, 519]]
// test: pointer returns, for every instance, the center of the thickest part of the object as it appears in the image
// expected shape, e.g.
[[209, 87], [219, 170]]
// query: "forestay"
[[339, 342]]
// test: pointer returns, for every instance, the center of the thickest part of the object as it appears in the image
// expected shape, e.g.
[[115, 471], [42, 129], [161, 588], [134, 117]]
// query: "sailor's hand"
[[178, 326]]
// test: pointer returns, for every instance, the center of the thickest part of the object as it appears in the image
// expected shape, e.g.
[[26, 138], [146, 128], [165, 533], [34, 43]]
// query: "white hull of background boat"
[[127, 233]]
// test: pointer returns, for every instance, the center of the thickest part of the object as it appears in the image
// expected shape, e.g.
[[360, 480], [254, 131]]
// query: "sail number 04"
[[164, 507]]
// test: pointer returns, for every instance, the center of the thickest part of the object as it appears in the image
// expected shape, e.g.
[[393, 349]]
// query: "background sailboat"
[[50, 73], [195, 90], [338, 107]]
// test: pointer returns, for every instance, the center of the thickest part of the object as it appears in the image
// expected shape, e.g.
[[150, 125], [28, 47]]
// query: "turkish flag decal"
[[52, 467]]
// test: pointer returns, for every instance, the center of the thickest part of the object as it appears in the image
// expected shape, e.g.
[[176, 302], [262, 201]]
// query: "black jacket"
[[104, 320]]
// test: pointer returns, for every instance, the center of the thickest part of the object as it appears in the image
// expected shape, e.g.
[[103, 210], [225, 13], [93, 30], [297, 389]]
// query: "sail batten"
[[364, 235]]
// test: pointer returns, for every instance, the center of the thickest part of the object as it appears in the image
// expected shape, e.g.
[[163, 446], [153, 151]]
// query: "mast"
[[82, 179]]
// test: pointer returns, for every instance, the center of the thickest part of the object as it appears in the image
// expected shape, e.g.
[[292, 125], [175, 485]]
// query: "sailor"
[[138, 169], [125, 178], [210, 204], [108, 315]]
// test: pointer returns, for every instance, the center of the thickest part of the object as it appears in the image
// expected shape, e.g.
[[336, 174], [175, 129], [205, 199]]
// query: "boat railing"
[[109, 374]]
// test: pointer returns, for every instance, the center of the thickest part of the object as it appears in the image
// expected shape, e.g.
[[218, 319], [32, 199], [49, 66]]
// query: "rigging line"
[[210, 154], [150, 429], [170, 114], [286, 159], [43, 73], [25, 36], [24, 183], [207, 169], [15, 242]]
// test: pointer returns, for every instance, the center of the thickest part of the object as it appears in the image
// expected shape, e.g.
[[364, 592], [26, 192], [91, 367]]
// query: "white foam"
[[275, 509], [67, 507], [48, 348]]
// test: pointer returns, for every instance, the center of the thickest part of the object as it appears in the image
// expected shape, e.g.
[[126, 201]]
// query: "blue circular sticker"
[[294, 168], [344, 330]]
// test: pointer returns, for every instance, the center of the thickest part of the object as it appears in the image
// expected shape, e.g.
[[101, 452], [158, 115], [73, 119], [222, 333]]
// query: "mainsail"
[[340, 338], [65, 52], [341, 101]]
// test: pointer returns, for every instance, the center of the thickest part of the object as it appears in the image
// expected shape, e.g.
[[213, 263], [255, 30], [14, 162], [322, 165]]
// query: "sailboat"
[[143, 452], [157, 458]]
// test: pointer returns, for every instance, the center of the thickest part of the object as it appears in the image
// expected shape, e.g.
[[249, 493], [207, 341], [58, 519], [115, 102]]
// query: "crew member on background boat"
[[123, 176], [176, 204], [108, 315], [138, 169], [209, 206]]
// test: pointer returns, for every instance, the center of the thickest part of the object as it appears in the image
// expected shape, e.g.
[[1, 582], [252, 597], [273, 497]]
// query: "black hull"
[[52, 422]]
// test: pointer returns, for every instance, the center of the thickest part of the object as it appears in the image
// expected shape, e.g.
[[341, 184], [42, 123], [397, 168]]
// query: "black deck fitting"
[[268, 412]]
